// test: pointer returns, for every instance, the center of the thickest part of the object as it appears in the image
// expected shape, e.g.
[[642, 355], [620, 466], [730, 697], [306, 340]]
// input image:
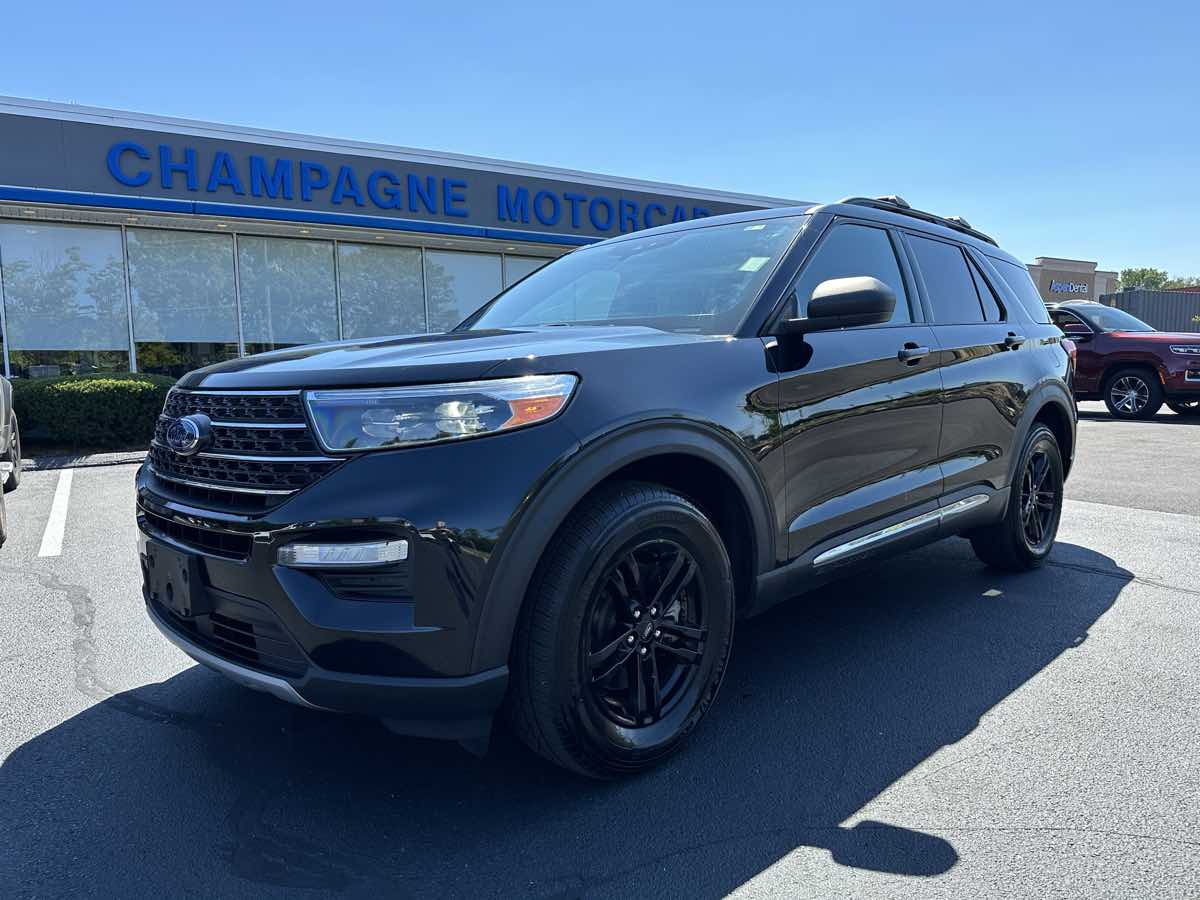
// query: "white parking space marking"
[[52, 537]]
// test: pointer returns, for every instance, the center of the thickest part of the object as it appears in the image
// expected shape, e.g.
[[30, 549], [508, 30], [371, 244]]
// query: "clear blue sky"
[[1065, 129]]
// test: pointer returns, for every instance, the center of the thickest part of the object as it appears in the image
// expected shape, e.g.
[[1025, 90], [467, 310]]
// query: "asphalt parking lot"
[[926, 729]]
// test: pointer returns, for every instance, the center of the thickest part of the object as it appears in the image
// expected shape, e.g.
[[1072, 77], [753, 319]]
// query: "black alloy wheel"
[[1040, 500], [1025, 536], [1133, 394], [1185, 407], [625, 633], [646, 634]]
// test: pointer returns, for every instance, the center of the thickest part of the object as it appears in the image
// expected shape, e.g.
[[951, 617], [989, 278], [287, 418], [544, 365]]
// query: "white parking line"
[[56, 525]]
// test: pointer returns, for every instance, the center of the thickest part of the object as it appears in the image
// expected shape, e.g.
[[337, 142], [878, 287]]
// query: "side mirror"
[[844, 303], [1077, 332]]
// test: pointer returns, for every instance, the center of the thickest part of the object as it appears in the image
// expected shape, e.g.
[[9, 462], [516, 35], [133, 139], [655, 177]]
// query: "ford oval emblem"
[[189, 435]]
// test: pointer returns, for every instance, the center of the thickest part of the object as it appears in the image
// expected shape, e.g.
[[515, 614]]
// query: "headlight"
[[400, 417], [1186, 349]]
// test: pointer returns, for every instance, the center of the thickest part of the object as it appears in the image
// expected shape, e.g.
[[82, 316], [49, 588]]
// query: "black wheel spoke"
[[1040, 469], [681, 572], [605, 653], [655, 686], [620, 659], [691, 657], [641, 700], [690, 632]]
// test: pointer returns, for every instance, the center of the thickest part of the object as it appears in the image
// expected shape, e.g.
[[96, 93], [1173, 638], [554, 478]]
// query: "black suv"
[[560, 507]]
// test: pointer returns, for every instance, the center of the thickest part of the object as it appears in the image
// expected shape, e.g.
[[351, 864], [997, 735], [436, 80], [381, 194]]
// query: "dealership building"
[[136, 242]]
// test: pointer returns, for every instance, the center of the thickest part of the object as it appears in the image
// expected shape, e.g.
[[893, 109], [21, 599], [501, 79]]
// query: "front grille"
[[262, 448], [243, 632], [230, 545], [282, 406], [259, 474], [257, 441]]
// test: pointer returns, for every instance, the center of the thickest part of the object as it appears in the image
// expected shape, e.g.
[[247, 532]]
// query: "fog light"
[[319, 556]]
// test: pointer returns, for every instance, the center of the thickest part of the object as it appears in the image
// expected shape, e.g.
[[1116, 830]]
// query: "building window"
[[287, 292], [381, 290], [517, 267], [184, 306], [64, 299], [458, 284]]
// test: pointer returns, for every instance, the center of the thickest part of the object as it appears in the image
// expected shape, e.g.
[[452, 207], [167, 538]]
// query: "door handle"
[[911, 354], [1014, 340]]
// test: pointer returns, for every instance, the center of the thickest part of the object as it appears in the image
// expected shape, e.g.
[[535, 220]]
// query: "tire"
[[13, 455], [3, 521], [591, 627], [1010, 544], [1133, 394], [1190, 408]]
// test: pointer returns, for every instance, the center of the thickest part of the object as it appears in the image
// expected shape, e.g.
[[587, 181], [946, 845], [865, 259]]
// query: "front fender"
[[566, 484]]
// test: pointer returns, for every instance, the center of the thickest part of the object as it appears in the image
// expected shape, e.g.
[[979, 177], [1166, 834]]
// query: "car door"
[[985, 361], [860, 410]]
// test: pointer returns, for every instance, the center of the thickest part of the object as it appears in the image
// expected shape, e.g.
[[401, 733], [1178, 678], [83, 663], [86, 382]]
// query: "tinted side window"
[[993, 309], [1017, 278], [1063, 319], [849, 251], [947, 280]]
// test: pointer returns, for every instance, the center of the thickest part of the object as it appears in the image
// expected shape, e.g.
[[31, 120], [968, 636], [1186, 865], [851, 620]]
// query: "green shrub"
[[90, 411]]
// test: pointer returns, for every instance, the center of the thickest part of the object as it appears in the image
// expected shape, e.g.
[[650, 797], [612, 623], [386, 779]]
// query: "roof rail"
[[894, 204]]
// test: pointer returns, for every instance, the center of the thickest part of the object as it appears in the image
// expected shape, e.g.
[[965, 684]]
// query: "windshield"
[[700, 280], [1106, 318]]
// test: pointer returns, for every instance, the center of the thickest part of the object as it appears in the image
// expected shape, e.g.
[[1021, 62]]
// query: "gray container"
[[1165, 310]]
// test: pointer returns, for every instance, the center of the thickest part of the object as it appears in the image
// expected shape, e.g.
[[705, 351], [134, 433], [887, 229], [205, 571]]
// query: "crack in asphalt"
[[84, 654]]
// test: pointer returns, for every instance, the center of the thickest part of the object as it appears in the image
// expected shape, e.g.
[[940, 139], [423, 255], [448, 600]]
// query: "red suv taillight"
[[1072, 350]]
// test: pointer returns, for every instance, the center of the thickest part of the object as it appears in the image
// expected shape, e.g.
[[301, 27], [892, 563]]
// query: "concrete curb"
[[82, 461]]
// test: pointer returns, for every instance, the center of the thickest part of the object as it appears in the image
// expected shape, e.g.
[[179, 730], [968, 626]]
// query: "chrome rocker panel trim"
[[899, 528]]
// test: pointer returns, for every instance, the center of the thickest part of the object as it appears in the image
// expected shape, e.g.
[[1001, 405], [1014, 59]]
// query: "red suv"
[[1127, 364]]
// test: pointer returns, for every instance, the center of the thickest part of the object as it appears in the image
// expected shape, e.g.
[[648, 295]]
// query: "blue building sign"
[[93, 163], [227, 175]]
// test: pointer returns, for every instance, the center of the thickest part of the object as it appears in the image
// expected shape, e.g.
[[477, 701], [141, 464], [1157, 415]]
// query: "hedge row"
[[98, 412]]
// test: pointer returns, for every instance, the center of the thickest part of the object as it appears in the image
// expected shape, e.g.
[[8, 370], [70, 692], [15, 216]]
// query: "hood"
[[1158, 337], [423, 359]]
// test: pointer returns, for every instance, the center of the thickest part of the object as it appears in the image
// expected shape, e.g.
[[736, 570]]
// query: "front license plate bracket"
[[176, 581]]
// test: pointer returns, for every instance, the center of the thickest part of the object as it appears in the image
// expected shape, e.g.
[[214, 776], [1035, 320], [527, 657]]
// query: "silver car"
[[10, 451]]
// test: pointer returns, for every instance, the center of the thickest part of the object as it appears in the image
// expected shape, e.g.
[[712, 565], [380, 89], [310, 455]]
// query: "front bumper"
[[400, 642], [1183, 382], [458, 708]]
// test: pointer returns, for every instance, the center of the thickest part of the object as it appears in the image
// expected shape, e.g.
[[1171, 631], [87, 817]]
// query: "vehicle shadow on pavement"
[[196, 785]]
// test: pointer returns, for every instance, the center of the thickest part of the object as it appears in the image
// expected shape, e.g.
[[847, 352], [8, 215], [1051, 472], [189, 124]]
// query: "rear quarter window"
[[1018, 280]]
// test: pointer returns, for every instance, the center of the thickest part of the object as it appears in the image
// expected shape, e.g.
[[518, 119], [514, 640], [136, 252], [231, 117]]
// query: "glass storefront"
[[457, 284], [382, 290], [181, 286], [288, 290], [196, 297], [517, 267], [64, 299]]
